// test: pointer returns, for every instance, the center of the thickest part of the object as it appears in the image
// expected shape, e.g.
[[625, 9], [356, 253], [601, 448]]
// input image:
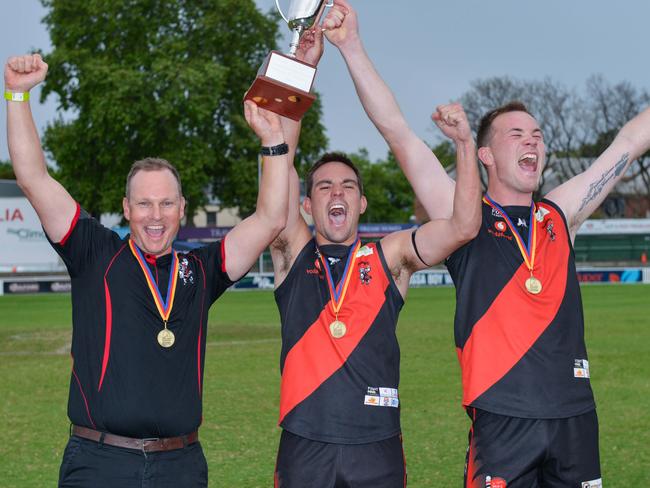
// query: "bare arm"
[[582, 195], [53, 204], [296, 233], [436, 190], [248, 239], [438, 238]]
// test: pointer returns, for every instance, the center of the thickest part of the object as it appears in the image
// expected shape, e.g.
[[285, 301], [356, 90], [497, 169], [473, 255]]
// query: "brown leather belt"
[[145, 445]]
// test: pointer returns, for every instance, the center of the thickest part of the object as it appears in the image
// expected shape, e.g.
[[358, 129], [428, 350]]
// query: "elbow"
[[468, 229]]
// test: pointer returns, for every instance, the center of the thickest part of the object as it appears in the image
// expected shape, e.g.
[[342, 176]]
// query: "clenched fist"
[[22, 73], [452, 121]]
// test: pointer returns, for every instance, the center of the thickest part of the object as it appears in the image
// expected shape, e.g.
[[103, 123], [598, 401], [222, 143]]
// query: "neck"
[[506, 198], [321, 240]]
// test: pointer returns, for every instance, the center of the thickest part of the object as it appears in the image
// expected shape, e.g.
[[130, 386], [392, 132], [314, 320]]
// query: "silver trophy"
[[283, 84], [303, 14]]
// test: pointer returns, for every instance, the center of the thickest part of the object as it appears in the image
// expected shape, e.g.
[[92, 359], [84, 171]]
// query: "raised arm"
[[296, 233], [53, 204], [434, 241], [429, 180], [248, 239], [582, 195]]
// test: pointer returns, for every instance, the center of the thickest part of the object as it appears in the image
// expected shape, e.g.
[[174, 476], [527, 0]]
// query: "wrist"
[[275, 150], [16, 95]]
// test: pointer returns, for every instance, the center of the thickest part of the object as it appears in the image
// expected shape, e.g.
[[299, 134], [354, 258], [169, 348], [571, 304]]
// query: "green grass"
[[239, 433]]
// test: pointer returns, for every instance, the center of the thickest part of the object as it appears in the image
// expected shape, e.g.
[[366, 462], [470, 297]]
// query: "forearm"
[[24, 145], [466, 216], [636, 135]]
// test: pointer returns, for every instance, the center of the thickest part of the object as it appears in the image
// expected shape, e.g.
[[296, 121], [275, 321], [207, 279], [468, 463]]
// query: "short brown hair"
[[483, 134], [152, 164], [333, 157]]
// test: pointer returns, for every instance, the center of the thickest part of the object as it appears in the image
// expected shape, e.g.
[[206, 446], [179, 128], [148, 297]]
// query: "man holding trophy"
[[339, 301]]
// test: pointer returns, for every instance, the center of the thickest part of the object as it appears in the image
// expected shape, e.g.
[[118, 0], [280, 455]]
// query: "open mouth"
[[337, 214], [528, 162], [154, 231]]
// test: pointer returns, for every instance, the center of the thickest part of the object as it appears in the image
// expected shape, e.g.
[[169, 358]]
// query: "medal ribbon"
[[337, 293], [164, 306], [527, 251]]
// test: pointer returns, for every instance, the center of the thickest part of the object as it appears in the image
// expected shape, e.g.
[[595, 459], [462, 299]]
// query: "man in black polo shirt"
[[140, 308]]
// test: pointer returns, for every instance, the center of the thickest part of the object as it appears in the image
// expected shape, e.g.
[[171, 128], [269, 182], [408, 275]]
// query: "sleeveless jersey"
[[521, 354], [340, 390]]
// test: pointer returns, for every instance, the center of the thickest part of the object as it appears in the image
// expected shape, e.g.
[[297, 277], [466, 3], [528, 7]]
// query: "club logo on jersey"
[[184, 271], [541, 213], [581, 368], [491, 482], [333, 261], [522, 223], [549, 229], [364, 272], [381, 397], [593, 483], [365, 251], [500, 225]]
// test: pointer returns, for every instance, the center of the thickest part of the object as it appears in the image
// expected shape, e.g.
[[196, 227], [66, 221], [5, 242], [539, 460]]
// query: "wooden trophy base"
[[278, 86]]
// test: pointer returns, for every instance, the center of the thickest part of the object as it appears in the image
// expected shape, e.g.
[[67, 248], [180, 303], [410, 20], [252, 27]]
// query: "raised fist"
[[22, 73], [452, 121]]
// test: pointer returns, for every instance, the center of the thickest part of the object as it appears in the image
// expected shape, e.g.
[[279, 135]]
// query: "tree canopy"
[[160, 78]]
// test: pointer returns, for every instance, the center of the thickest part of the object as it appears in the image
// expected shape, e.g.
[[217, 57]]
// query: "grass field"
[[239, 433]]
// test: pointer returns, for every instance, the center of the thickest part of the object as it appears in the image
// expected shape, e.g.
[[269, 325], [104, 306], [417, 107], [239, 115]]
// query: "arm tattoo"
[[597, 186]]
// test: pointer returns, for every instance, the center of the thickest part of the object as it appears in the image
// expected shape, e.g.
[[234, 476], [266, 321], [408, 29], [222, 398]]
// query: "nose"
[[156, 212], [337, 189], [531, 141]]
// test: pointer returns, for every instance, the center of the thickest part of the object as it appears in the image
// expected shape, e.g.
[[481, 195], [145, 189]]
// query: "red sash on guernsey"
[[318, 355], [516, 318]]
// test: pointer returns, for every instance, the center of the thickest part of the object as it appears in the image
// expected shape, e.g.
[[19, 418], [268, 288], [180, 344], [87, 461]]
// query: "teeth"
[[337, 207], [530, 156]]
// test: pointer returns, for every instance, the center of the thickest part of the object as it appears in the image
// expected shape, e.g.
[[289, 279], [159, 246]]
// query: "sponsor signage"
[[24, 287], [22, 239], [614, 226], [628, 275]]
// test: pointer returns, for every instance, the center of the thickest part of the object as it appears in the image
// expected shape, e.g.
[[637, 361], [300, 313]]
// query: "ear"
[[182, 209], [125, 208], [485, 156], [306, 204], [364, 204]]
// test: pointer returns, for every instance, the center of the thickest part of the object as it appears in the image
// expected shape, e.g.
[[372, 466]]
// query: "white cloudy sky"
[[430, 50]]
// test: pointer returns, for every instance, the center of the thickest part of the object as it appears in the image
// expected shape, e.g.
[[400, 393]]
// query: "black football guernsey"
[[521, 354], [123, 381], [340, 390]]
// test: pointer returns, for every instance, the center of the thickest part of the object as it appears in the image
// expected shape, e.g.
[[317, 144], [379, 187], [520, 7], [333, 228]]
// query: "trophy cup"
[[283, 84]]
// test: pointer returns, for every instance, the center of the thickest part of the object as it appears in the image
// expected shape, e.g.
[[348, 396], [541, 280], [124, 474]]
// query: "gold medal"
[[533, 285], [338, 329], [166, 338]]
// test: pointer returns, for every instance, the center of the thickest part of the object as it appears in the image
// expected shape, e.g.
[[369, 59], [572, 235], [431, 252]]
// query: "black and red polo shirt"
[[122, 380], [521, 354], [340, 390]]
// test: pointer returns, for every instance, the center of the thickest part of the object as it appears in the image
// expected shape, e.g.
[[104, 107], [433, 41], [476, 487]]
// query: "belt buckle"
[[148, 439]]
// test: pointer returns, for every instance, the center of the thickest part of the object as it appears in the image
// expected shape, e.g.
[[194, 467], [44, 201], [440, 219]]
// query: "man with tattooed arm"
[[519, 326]]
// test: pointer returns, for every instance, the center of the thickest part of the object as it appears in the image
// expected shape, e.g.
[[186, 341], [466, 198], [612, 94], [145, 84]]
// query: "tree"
[[158, 78], [6, 171], [389, 194]]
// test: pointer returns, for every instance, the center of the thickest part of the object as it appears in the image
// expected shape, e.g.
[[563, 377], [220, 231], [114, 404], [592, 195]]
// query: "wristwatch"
[[278, 150]]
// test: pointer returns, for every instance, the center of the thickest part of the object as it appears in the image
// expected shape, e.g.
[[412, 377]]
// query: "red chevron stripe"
[[317, 355], [516, 319]]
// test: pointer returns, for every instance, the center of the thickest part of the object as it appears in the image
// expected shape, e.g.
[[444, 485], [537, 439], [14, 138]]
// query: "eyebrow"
[[518, 130], [330, 181]]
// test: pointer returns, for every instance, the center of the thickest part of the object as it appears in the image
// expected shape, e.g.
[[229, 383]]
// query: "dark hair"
[[483, 134], [333, 157], [152, 164]]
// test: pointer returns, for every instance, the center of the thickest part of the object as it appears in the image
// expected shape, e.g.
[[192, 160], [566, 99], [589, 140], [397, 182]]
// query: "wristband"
[[16, 96], [278, 150]]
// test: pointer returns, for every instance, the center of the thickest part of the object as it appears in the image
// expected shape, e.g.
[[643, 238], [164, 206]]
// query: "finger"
[[29, 64], [342, 3], [20, 64]]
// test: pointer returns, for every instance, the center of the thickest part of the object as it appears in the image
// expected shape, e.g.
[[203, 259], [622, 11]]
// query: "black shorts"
[[529, 453], [303, 463]]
